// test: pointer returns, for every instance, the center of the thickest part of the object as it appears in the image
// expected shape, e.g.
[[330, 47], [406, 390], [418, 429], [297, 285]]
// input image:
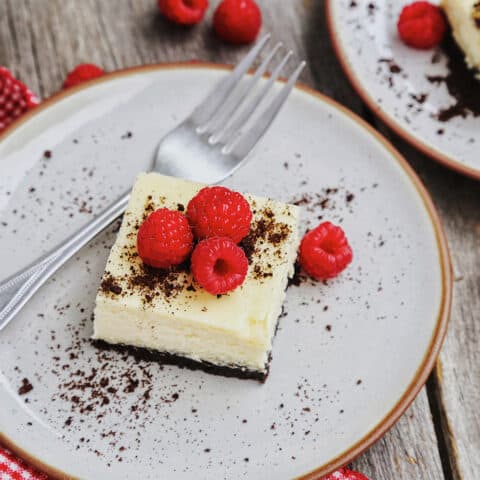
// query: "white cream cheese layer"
[[178, 316], [464, 18]]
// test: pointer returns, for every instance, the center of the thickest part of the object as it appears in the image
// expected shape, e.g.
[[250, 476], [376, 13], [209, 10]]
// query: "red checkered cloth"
[[11, 468]]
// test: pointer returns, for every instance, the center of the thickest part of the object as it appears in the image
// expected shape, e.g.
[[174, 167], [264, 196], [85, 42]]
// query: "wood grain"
[[40, 40], [409, 450]]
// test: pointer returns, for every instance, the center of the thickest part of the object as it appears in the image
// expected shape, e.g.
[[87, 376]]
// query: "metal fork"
[[208, 146]]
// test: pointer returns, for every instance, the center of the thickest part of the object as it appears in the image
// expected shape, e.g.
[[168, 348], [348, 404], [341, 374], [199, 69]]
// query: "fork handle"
[[16, 290]]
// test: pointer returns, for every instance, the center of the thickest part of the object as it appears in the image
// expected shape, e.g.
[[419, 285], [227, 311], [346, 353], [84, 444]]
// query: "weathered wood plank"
[[16, 43], [409, 450], [42, 39]]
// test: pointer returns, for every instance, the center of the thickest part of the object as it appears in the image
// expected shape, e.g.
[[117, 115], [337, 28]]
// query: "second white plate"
[[410, 90]]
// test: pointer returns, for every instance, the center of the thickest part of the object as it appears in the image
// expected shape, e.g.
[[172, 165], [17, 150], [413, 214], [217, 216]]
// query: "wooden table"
[[40, 40]]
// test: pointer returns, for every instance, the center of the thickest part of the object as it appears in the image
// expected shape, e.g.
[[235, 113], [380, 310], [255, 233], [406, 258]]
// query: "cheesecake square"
[[464, 18], [165, 315]]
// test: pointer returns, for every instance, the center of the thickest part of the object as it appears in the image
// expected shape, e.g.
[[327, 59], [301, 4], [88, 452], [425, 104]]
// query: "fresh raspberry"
[[184, 12], [345, 474], [81, 73], [15, 98], [219, 265], [237, 21], [422, 25], [324, 251], [164, 238], [219, 212]]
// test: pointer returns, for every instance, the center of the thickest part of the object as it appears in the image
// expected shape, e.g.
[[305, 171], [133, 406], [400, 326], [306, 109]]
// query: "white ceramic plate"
[[350, 354], [393, 81]]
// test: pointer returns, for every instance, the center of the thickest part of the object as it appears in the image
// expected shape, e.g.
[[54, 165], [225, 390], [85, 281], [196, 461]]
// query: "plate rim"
[[438, 336], [442, 158]]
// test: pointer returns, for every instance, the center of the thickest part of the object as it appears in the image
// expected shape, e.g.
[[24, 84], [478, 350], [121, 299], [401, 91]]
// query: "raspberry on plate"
[[219, 265], [164, 239], [219, 212], [324, 251], [345, 474], [422, 25], [237, 21], [15, 98], [184, 12], [81, 73]]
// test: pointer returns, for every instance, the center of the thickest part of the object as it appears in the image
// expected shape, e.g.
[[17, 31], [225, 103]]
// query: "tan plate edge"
[[429, 360]]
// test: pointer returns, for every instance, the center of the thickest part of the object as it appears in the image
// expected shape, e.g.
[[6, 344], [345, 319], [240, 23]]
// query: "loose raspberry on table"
[[81, 73], [219, 265], [15, 98], [219, 212], [164, 239], [184, 12], [324, 251], [422, 25], [345, 474], [237, 21]]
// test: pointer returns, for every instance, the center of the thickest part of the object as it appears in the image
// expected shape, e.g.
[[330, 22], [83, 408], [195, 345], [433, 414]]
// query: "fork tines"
[[237, 112]]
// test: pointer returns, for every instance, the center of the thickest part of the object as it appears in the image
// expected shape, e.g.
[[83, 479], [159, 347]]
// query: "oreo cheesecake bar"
[[166, 315]]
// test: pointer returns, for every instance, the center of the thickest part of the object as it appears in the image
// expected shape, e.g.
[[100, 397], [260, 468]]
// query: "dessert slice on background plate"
[[464, 18], [166, 315]]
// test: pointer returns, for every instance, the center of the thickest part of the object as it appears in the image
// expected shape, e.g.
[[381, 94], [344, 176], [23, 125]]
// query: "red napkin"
[[11, 468]]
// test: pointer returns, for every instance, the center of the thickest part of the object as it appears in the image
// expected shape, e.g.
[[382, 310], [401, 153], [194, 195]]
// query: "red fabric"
[[11, 468]]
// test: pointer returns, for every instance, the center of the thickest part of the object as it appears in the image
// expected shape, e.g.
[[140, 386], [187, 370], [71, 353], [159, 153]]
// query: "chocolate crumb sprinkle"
[[109, 285], [26, 387], [266, 229], [392, 66]]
